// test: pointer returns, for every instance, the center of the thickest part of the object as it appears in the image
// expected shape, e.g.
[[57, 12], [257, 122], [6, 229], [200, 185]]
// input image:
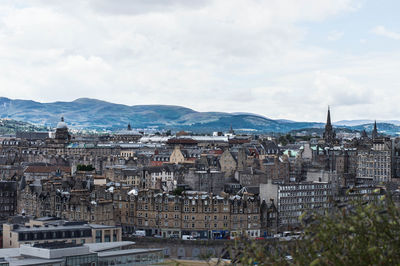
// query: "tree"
[[178, 191], [354, 234], [283, 141], [83, 167]]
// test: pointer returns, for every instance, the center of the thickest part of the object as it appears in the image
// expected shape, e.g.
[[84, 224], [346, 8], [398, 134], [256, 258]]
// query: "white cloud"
[[335, 35], [210, 55], [382, 31]]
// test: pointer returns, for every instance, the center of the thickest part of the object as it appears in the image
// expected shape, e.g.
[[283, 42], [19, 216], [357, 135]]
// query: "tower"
[[375, 131], [329, 133], [62, 135]]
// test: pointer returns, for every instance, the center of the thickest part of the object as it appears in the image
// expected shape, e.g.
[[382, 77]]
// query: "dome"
[[62, 124]]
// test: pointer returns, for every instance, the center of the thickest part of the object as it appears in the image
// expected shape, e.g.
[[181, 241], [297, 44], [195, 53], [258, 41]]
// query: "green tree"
[[353, 234], [178, 191], [283, 141], [83, 167]]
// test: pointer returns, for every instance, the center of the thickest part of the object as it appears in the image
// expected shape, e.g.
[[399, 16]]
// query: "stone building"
[[375, 165], [62, 135], [75, 200], [8, 199], [200, 214], [228, 163], [211, 181]]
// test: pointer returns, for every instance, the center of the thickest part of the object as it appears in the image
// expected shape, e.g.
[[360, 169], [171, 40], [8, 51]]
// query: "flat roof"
[[51, 227], [101, 226], [127, 252], [9, 252], [96, 247], [32, 261]]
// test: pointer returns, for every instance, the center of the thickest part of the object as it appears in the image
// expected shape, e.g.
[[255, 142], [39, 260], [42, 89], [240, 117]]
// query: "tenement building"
[[375, 165], [8, 199], [200, 214]]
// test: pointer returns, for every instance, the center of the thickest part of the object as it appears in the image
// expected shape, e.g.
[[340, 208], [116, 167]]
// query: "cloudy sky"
[[279, 58]]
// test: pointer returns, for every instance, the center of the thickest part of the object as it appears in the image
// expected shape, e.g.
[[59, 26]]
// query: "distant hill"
[[353, 123], [85, 113], [383, 128], [9, 126], [95, 114]]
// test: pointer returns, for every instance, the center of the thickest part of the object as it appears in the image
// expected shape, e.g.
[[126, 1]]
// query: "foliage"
[[355, 234], [82, 167], [178, 191], [284, 140]]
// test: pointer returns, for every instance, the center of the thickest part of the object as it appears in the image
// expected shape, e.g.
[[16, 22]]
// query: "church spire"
[[375, 131], [329, 134], [328, 119]]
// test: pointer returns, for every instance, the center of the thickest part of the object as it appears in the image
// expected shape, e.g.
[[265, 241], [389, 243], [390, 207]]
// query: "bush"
[[352, 234], [82, 167]]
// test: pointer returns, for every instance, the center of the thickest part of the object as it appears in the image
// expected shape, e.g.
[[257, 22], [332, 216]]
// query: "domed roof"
[[62, 124]]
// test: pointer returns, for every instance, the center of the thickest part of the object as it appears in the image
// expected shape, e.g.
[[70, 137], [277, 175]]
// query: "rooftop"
[[127, 251], [96, 247]]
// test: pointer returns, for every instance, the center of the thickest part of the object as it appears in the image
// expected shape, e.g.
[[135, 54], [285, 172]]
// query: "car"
[[139, 233], [188, 237]]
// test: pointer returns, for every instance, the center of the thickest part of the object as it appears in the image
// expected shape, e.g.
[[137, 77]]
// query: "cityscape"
[[105, 188], [206, 132]]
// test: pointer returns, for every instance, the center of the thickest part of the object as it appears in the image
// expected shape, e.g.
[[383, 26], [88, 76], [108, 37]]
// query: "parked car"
[[139, 233], [188, 237]]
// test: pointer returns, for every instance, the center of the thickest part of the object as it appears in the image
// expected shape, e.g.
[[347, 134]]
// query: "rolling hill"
[[95, 114]]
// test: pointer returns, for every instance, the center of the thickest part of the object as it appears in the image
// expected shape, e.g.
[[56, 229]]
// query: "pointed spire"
[[62, 119], [329, 134], [375, 131], [328, 119], [129, 126]]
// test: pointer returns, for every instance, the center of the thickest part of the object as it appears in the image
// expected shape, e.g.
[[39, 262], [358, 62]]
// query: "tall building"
[[329, 133]]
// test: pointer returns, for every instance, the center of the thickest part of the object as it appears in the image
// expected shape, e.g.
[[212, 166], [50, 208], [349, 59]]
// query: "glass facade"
[[98, 236], [132, 259], [84, 260]]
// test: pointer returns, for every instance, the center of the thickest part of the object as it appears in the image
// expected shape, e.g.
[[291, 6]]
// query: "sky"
[[284, 59]]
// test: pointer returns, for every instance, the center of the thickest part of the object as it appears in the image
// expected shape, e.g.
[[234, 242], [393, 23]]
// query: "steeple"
[[129, 127], [375, 131], [329, 133], [328, 119], [231, 130]]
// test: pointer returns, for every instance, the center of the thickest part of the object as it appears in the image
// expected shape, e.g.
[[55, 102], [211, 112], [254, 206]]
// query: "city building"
[[61, 253], [48, 229]]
